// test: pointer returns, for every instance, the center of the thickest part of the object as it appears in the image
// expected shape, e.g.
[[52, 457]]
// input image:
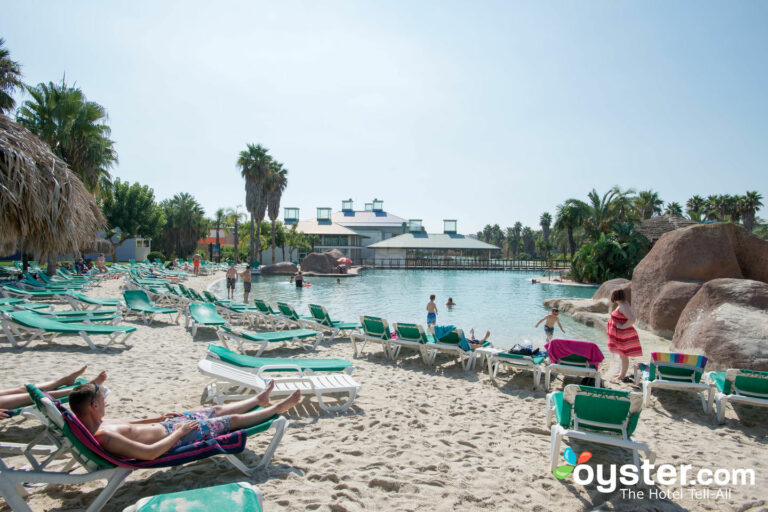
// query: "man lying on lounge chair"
[[148, 439], [14, 398]]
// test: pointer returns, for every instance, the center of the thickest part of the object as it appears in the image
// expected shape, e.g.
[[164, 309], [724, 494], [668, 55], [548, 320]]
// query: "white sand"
[[415, 439]]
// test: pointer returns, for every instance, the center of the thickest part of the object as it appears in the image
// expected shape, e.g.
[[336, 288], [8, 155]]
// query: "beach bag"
[[524, 351]]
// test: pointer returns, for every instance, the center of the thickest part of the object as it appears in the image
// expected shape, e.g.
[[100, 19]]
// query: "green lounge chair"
[[574, 365], [203, 315], [291, 316], [267, 317], [374, 330], [83, 302], [237, 312], [598, 415], [682, 372], [8, 301], [24, 293], [234, 497], [236, 383], [138, 302], [449, 344], [743, 386], [111, 316], [95, 465], [301, 337], [23, 327], [323, 320], [498, 359], [410, 336], [307, 365]]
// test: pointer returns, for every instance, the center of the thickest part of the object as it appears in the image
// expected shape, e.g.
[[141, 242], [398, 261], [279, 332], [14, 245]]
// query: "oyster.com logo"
[[572, 461]]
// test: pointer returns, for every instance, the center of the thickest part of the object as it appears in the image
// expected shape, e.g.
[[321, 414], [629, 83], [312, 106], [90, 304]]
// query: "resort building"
[[348, 230], [417, 248]]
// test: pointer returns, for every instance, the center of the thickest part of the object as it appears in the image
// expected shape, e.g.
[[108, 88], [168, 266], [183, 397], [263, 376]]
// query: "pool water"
[[504, 302]]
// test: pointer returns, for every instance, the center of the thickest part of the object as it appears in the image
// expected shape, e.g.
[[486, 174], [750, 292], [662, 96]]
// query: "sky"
[[484, 112]]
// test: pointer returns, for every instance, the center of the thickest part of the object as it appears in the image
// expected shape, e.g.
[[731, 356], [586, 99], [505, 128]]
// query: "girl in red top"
[[622, 337]]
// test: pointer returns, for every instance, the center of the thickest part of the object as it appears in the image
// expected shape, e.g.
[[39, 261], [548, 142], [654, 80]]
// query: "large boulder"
[[284, 267], [687, 258], [325, 262], [608, 287], [727, 319]]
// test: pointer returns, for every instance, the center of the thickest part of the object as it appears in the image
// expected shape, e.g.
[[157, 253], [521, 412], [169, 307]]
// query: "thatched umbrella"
[[44, 206]]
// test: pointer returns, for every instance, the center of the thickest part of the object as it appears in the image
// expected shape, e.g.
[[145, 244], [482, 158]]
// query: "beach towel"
[[674, 357], [441, 331], [559, 348]]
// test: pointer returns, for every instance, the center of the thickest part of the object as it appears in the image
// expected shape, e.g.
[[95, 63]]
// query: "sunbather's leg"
[[22, 399], [260, 400], [66, 380], [254, 418]]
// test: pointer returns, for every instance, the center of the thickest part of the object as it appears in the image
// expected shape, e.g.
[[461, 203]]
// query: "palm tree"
[[75, 130], [752, 203], [599, 212], [10, 79], [694, 207], [217, 220], [569, 217], [648, 203], [622, 204], [712, 207], [545, 221], [254, 166], [232, 218], [529, 244], [184, 224], [275, 185], [674, 209]]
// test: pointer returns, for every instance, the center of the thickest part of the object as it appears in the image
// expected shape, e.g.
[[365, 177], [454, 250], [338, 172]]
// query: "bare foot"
[[487, 335], [288, 403], [263, 397], [68, 380], [472, 333], [100, 378]]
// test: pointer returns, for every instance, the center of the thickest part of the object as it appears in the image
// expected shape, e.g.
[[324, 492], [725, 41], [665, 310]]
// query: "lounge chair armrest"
[[276, 367]]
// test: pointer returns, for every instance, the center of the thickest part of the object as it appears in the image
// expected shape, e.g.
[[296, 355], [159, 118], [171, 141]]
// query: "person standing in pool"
[[431, 312], [231, 280], [622, 336], [299, 280], [246, 275]]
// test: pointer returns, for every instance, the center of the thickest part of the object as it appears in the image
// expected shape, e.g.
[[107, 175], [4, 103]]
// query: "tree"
[[75, 130], [295, 240], [130, 211], [648, 203], [276, 183], [497, 236], [185, 223], [569, 217], [674, 209], [599, 212], [232, 219], [218, 219], [694, 208], [254, 163], [529, 244], [545, 221], [517, 234], [10, 79], [752, 203], [622, 204]]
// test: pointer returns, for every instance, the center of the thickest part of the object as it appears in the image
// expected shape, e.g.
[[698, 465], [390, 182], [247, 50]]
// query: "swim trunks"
[[431, 318], [247, 286], [196, 263], [208, 427], [299, 283], [549, 330], [230, 283]]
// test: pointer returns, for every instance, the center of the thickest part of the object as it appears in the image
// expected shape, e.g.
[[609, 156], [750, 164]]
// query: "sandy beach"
[[416, 438]]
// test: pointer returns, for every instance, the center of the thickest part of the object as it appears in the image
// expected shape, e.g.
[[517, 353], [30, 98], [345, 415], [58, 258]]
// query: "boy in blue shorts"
[[431, 312], [549, 326]]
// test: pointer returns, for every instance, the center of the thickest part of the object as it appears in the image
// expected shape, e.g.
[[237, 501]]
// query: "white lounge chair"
[[234, 383], [498, 359]]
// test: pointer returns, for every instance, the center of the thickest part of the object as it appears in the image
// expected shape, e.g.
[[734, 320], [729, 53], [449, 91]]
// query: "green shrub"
[[155, 255], [611, 256]]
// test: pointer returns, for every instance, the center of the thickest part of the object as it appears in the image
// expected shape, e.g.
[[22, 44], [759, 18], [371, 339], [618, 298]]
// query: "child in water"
[[549, 326]]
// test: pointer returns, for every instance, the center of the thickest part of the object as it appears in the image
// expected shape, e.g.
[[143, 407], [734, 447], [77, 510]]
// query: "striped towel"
[[675, 357]]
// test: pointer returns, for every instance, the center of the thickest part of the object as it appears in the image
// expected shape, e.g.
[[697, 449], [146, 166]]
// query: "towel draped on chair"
[[560, 348]]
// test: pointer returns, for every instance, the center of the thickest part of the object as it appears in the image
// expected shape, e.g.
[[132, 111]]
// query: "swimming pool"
[[504, 302]]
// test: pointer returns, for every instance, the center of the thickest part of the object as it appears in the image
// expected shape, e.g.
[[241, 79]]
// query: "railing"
[[466, 264]]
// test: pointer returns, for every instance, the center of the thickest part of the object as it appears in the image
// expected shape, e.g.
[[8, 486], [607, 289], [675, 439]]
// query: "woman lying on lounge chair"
[[14, 398]]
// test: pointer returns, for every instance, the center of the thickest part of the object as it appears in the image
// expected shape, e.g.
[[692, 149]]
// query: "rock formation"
[[682, 260], [284, 267], [325, 262], [727, 319], [607, 288]]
